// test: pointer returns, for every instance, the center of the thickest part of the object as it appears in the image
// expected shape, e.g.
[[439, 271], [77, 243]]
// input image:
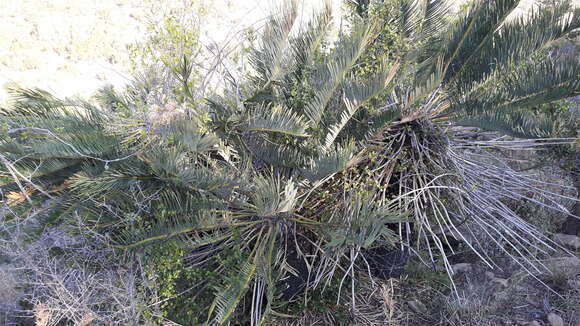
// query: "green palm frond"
[[433, 14], [270, 197], [198, 240], [527, 86], [174, 203], [45, 127], [299, 165], [429, 18], [268, 61], [387, 114], [40, 171], [408, 15], [174, 167], [311, 37], [364, 223], [329, 76], [333, 161], [514, 122], [113, 181], [278, 119], [280, 154], [160, 231], [516, 41], [355, 94], [32, 102], [420, 19], [109, 98], [506, 108], [73, 146], [535, 84], [473, 31], [229, 295], [40, 107], [187, 134], [223, 117]]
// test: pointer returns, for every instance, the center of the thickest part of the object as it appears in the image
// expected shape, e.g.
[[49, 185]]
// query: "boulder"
[[461, 268], [417, 306], [555, 320], [568, 240]]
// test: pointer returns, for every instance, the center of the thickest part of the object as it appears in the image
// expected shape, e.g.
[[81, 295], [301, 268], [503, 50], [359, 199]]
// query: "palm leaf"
[[337, 160], [278, 120], [310, 39], [229, 295], [268, 60], [516, 123], [473, 31], [354, 96], [328, 77], [160, 231], [515, 42]]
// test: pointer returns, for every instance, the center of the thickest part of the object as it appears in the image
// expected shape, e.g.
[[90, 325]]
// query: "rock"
[[491, 276], [567, 266], [461, 268], [417, 306], [565, 261], [568, 240], [555, 320], [501, 281], [534, 323]]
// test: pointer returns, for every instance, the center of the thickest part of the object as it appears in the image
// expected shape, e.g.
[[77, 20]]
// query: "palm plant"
[[304, 166]]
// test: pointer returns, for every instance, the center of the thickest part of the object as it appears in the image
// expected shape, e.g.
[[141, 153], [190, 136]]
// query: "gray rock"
[[461, 268], [417, 306], [501, 281], [555, 320], [534, 323], [568, 240]]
